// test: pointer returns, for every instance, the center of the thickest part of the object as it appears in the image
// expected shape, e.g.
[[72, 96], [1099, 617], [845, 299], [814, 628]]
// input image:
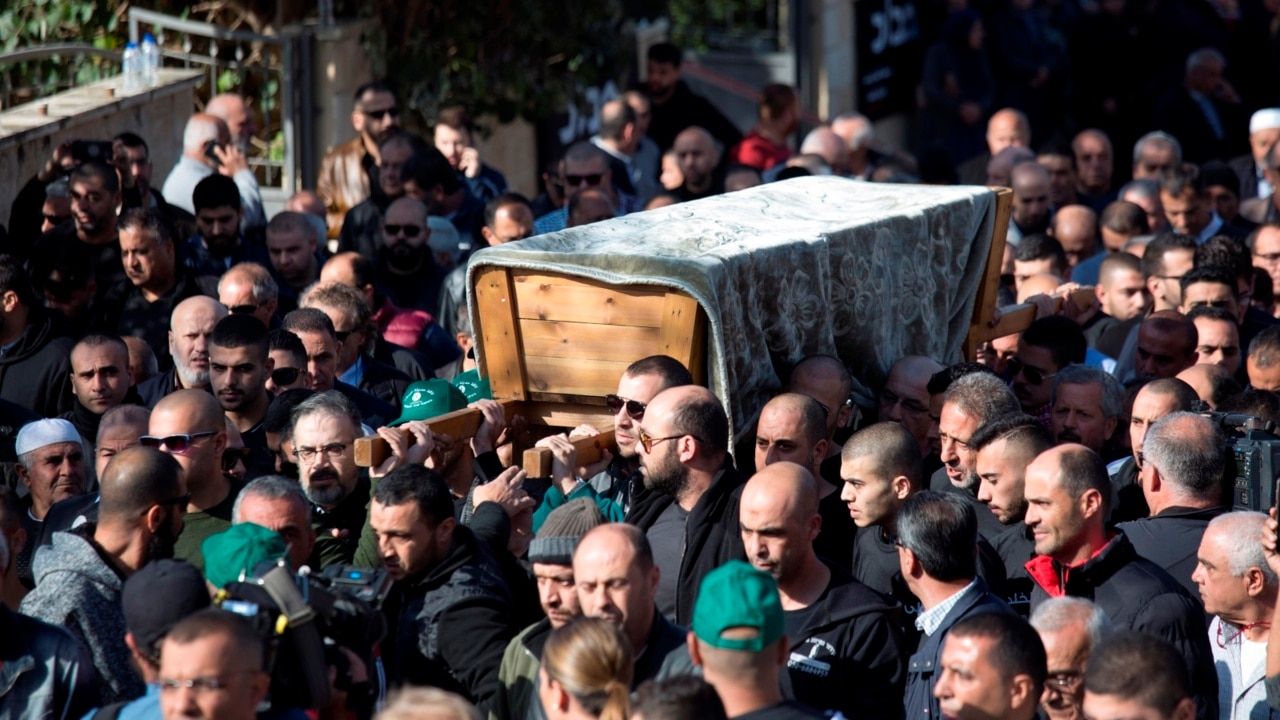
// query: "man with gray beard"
[[971, 402], [324, 430], [190, 327]]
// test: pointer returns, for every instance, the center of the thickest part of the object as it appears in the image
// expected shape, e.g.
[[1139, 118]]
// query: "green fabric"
[[736, 595], [426, 399], [517, 677], [367, 554], [197, 526], [238, 550], [554, 498]]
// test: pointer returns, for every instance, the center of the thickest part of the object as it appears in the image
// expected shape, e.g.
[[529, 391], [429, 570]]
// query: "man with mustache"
[[551, 554], [190, 326], [971, 402], [80, 577], [324, 430], [51, 466], [100, 381], [190, 426], [239, 365], [405, 269], [1087, 404]]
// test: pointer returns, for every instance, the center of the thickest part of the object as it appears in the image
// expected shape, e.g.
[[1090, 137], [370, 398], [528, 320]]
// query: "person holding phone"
[[207, 149]]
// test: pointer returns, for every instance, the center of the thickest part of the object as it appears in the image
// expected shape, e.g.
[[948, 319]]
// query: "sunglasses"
[[635, 408], [285, 376], [648, 441], [243, 309], [1034, 375], [180, 500], [382, 114], [176, 443], [406, 230], [576, 180], [231, 456]]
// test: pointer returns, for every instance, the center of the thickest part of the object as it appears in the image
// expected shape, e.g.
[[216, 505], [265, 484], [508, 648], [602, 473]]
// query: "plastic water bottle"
[[150, 61], [132, 68]]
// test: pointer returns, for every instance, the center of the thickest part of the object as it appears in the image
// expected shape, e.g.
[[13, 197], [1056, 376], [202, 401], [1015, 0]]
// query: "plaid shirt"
[[929, 620]]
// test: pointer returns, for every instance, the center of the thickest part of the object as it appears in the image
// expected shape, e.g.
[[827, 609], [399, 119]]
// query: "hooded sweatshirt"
[[35, 372], [79, 590]]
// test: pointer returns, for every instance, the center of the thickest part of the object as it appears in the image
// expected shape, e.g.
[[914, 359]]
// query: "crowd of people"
[[1047, 532]]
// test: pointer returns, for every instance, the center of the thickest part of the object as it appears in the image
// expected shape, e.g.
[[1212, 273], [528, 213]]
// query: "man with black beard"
[[405, 271], [688, 509], [219, 243], [239, 365], [80, 577], [323, 432]]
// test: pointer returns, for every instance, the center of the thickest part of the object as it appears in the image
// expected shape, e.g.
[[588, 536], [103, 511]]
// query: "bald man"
[[847, 650], [826, 144], [190, 327], [698, 155], [248, 288], [1006, 128], [190, 426], [403, 267], [826, 379], [1094, 166], [590, 205], [1076, 228], [1213, 384], [1167, 345], [1031, 212], [905, 400], [1000, 166], [792, 428], [1040, 284], [235, 112], [689, 511]]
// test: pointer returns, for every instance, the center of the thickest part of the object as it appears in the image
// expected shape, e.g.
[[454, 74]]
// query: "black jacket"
[[712, 536], [1171, 540], [451, 624], [36, 372], [384, 382], [1016, 548], [123, 311], [44, 670], [348, 515], [1137, 595], [375, 411], [849, 653], [686, 108], [153, 390], [665, 654]]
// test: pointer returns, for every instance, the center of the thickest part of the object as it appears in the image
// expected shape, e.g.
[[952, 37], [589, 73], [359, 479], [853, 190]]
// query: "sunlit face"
[[969, 686], [292, 255], [1116, 707], [556, 593], [612, 586], [237, 376], [287, 516], [871, 496], [100, 376], [1005, 130], [53, 473], [451, 142], [1055, 518], [1000, 482], [955, 428], [408, 542], [1148, 407], [626, 429], [322, 358], [1078, 416], [114, 439], [327, 466], [93, 206], [285, 360], [1261, 378], [1067, 651], [1123, 294], [780, 437], [190, 329], [240, 687], [775, 536], [1266, 252], [1218, 343], [1223, 593], [697, 157]]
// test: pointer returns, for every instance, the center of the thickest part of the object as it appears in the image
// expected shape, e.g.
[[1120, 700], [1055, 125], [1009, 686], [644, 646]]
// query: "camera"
[[1253, 460], [303, 619]]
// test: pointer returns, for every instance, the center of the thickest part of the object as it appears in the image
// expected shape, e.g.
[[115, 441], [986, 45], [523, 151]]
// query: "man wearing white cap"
[[1265, 211], [51, 467], [1264, 131]]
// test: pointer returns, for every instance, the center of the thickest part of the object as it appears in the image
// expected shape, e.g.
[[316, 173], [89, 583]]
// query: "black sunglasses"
[[382, 114], [285, 376], [243, 309], [176, 443], [231, 456], [406, 230], [1034, 375], [590, 179], [635, 408]]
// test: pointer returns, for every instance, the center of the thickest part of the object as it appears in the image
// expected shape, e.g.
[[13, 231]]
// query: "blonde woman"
[[586, 672]]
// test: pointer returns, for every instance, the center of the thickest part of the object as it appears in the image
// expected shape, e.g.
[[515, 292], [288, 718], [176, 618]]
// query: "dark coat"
[[1137, 594], [712, 535], [384, 382], [1179, 115], [36, 372], [375, 411], [1171, 540], [44, 671]]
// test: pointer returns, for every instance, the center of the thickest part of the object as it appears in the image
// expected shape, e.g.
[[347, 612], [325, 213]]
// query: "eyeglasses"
[[342, 335], [332, 451], [382, 114], [1066, 682], [285, 376], [243, 309], [406, 230], [648, 441], [178, 444], [635, 408], [201, 684], [1033, 375], [590, 179], [1268, 258], [231, 456]]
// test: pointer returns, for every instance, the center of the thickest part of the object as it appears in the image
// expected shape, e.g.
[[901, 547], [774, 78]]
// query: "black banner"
[[889, 55]]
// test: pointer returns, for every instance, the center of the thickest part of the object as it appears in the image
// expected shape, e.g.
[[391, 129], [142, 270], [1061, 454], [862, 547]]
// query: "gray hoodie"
[[76, 589]]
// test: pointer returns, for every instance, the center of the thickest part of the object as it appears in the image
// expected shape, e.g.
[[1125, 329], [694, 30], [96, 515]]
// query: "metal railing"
[[272, 72], [12, 93]]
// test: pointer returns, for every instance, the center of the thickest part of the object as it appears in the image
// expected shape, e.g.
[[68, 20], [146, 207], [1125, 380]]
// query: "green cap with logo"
[[426, 399], [238, 550], [736, 596], [473, 386]]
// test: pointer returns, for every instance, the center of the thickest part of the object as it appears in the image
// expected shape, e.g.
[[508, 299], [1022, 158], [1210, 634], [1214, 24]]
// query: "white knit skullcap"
[[42, 433], [1264, 119]]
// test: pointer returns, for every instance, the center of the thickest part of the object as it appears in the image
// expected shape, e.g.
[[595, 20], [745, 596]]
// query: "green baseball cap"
[[735, 596], [473, 386], [426, 399], [238, 550]]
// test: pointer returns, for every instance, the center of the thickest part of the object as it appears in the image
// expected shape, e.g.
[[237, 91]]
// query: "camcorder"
[[303, 619], [1253, 459]]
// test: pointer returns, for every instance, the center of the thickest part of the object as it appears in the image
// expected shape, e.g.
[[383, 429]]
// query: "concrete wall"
[[340, 66], [98, 111]]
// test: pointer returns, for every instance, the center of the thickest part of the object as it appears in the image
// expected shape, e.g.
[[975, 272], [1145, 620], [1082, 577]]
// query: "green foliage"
[[508, 58], [704, 24], [39, 22]]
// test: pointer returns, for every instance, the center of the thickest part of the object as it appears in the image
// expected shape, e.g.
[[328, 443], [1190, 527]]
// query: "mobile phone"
[[86, 150], [209, 153]]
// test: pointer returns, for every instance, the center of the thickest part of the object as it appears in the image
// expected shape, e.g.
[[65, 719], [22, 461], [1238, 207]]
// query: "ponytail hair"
[[593, 661]]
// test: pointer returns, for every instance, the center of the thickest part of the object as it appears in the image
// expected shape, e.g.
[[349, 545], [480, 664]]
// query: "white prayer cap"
[[1264, 119], [42, 433]]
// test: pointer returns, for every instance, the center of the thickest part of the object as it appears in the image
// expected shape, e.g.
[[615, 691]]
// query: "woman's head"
[[589, 663]]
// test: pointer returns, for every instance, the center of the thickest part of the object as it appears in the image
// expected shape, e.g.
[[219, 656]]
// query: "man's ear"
[[695, 652], [1090, 503], [1186, 710], [1021, 692], [820, 451], [901, 486], [270, 364]]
